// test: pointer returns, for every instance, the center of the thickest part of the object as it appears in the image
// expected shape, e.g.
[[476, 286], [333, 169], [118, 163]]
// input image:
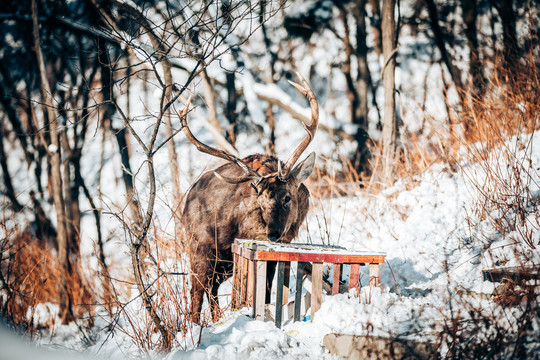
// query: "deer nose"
[[274, 236]]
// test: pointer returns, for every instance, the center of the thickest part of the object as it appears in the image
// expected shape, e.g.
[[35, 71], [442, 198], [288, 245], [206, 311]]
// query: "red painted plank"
[[353, 277], [311, 256], [315, 257], [337, 277]]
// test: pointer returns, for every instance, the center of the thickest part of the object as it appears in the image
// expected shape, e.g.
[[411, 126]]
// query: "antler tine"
[[210, 150], [310, 129]]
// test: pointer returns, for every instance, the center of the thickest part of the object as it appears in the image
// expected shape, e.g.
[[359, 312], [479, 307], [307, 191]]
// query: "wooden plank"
[[374, 274], [251, 283], [315, 258], [243, 292], [316, 288], [298, 291], [327, 255], [236, 282], [287, 276], [243, 252], [301, 247], [260, 292], [336, 279], [353, 276], [279, 295], [515, 273]]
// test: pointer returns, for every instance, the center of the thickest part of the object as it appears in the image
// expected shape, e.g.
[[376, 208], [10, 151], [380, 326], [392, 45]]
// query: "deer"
[[258, 197]]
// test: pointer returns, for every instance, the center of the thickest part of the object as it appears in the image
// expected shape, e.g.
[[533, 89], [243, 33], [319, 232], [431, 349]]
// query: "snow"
[[422, 229], [421, 224], [424, 225]]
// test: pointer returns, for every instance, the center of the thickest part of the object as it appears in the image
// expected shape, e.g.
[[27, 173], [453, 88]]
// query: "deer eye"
[[286, 199]]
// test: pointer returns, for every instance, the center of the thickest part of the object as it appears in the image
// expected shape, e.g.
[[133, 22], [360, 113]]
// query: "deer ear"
[[302, 171]]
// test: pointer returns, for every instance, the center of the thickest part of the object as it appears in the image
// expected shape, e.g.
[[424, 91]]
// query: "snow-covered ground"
[[425, 230], [434, 252]]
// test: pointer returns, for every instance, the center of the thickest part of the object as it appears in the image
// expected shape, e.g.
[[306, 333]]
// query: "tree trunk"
[[210, 100], [441, 45], [173, 156], [71, 197], [66, 313], [121, 135], [13, 116], [232, 116], [10, 192], [362, 88], [506, 12], [271, 120], [141, 241], [470, 15], [165, 113], [376, 25], [389, 121]]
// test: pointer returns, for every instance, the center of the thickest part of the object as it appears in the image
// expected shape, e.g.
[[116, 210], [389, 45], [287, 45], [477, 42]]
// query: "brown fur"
[[217, 212]]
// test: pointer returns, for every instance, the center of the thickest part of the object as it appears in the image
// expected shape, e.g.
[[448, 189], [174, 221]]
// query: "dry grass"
[[498, 133], [31, 276], [493, 148], [491, 144], [167, 280]]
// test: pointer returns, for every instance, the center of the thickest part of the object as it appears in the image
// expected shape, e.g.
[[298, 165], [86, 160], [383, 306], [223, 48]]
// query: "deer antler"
[[310, 129], [250, 173]]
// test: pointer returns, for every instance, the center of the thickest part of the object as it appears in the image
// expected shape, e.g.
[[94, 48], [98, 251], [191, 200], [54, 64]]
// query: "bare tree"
[[511, 46], [211, 42], [470, 16], [10, 192], [389, 133], [66, 313]]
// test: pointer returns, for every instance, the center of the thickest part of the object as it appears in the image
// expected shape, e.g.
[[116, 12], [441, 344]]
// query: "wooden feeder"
[[250, 263]]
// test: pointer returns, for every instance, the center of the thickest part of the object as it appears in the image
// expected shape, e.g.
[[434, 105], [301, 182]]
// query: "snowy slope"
[[423, 228]]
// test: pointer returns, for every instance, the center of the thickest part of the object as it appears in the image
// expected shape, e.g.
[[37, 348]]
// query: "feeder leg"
[[251, 282], [353, 277], [316, 288], [279, 295], [260, 292], [244, 295], [287, 274], [236, 282], [337, 278], [374, 274], [298, 291]]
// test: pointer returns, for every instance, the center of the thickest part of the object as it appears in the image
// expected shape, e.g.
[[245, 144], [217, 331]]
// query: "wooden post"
[[374, 274], [353, 276], [279, 295], [243, 300], [298, 291], [287, 275], [251, 283], [316, 288], [260, 291], [236, 283], [336, 279]]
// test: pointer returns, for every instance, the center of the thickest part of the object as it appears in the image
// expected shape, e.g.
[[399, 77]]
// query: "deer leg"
[[270, 271], [214, 301], [216, 280], [197, 293], [223, 271]]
